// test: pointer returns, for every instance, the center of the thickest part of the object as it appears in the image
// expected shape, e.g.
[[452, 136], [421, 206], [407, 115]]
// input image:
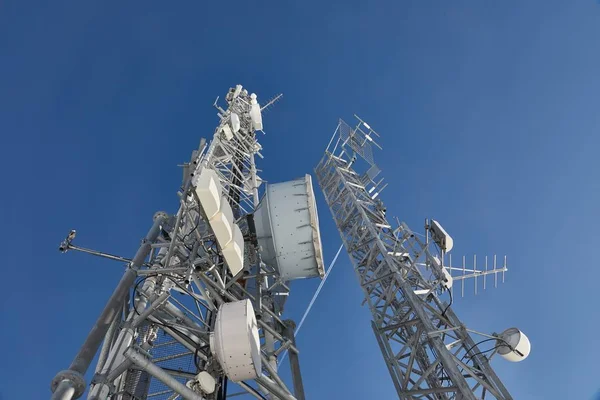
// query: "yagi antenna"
[[370, 131], [271, 102], [445, 243], [218, 107], [403, 276], [475, 272]]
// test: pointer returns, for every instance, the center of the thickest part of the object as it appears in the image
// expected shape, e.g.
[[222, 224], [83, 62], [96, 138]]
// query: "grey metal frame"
[[181, 256], [426, 348]]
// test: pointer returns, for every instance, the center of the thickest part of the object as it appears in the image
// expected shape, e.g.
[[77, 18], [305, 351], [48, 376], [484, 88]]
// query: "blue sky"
[[489, 119]]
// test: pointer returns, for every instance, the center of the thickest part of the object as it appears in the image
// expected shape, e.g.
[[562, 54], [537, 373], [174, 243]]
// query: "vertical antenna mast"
[[428, 351], [200, 304]]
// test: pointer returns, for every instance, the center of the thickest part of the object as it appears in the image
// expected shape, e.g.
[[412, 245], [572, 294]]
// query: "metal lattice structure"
[[428, 351], [157, 329], [200, 304]]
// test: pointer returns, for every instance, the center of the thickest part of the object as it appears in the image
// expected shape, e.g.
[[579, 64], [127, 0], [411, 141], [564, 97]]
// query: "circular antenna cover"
[[235, 342], [206, 382], [287, 227], [514, 345]]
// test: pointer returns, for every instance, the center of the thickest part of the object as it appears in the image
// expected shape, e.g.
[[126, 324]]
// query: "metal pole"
[[269, 337], [157, 372], [255, 198], [274, 375], [273, 388], [73, 377], [333, 137], [116, 372], [183, 341], [64, 391], [290, 326], [108, 338], [249, 389], [126, 336], [182, 210], [99, 253]]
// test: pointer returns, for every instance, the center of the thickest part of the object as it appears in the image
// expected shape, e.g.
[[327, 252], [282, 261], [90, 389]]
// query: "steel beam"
[[73, 377], [387, 265]]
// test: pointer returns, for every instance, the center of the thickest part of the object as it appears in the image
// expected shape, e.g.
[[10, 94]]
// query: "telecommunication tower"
[[428, 351], [200, 303]]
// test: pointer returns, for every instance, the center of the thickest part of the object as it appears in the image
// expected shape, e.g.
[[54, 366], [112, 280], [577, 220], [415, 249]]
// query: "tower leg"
[[64, 391], [157, 372], [71, 382], [290, 326]]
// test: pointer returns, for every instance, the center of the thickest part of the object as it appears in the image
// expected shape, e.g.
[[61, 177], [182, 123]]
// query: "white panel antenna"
[[255, 114], [234, 251], [441, 237], [237, 91], [208, 189], [227, 132], [222, 223], [235, 123]]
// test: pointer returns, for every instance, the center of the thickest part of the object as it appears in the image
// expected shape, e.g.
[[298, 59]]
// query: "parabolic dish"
[[521, 347], [235, 341], [287, 226]]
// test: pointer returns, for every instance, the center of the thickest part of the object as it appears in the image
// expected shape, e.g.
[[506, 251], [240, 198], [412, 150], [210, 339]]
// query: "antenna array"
[[200, 303], [427, 349]]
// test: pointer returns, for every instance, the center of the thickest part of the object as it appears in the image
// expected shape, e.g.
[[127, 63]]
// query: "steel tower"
[[428, 351], [200, 303]]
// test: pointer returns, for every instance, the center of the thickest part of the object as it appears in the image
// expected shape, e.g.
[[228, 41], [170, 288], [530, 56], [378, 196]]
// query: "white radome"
[[287, 226], [521, 347], [235, 342], [208, 189], [206, 382]]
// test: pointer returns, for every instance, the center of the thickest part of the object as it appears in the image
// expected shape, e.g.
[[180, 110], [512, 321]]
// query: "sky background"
[[489, 115]]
